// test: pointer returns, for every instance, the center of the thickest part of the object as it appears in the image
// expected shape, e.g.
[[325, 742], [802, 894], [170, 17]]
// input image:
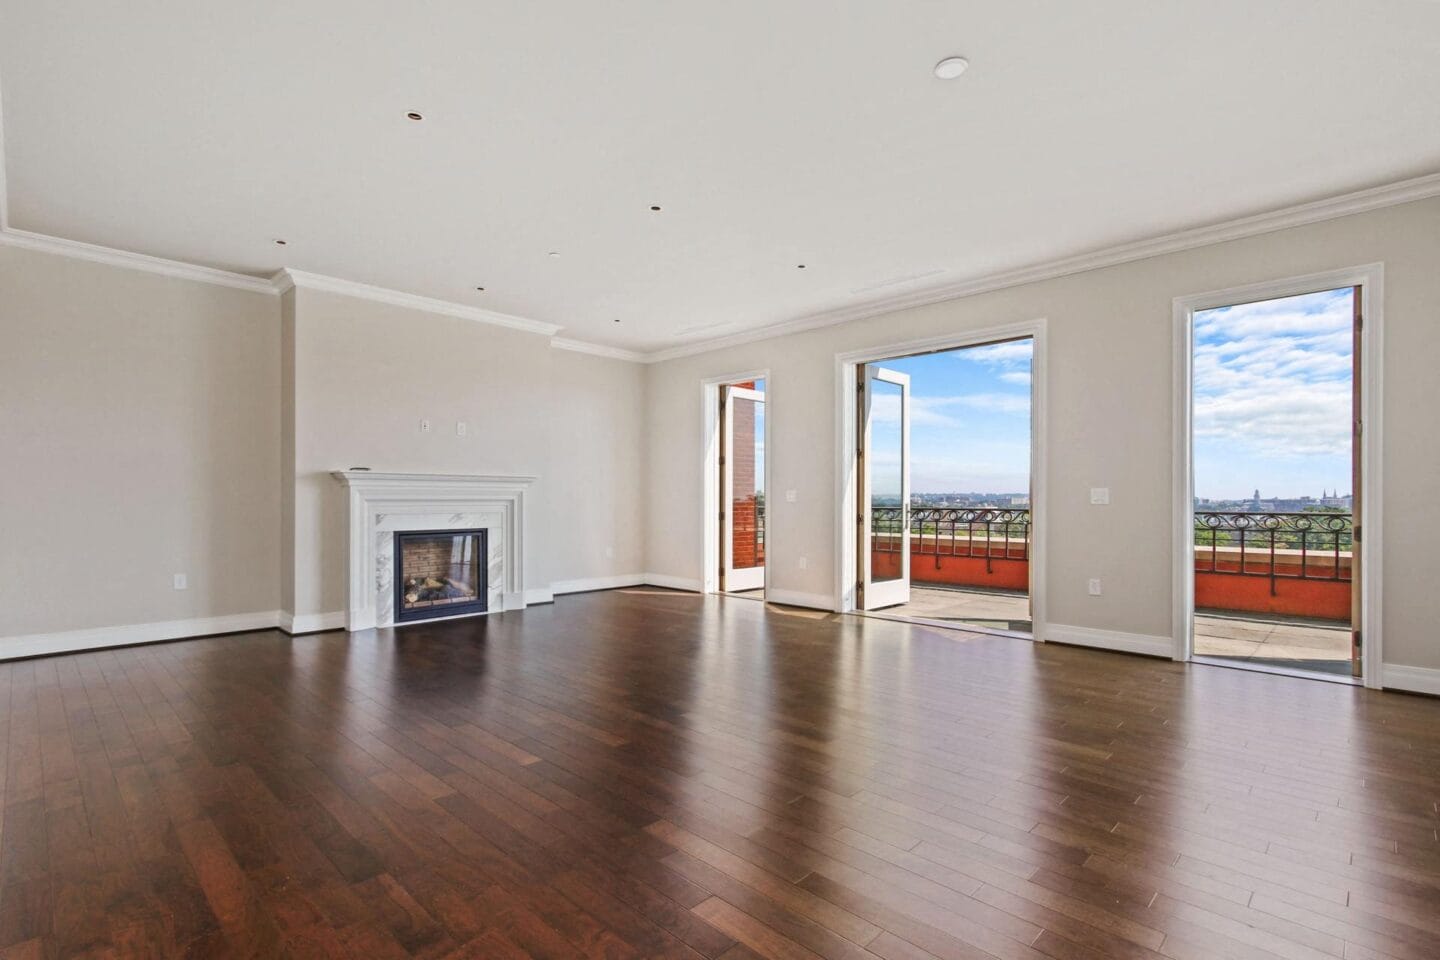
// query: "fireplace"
[[440, 573]]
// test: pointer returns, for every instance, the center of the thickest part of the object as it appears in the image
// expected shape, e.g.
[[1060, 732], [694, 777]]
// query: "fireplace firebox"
[[440, 573]]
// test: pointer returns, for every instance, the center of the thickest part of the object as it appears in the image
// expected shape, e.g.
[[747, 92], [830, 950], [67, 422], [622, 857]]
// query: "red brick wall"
[[953, 571], [1327, 599], [1322, 598]]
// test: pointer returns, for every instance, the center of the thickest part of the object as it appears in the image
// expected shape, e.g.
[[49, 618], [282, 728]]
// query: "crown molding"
[[76, 250], [1349, 204], [597, 349], [287, 278]]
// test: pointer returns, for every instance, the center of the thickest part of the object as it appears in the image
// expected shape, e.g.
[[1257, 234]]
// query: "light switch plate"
[[791, 496], [1100, 495]]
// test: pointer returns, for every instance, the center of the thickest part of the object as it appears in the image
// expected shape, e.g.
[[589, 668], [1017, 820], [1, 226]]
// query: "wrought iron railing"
[[1280, 546], [991, 533]]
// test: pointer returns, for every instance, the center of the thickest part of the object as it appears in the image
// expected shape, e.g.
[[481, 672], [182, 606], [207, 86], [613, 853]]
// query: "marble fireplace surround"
[[382, 503]]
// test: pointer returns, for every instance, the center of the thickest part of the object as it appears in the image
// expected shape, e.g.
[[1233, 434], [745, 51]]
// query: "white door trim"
[[1370, 278], [710, 443], [845, 427]]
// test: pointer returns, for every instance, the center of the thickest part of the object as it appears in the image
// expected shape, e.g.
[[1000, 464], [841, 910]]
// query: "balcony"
[[968, 566], [1268, 586]]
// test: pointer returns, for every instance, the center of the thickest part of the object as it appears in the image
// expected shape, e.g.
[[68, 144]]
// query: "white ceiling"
[[772, 134]]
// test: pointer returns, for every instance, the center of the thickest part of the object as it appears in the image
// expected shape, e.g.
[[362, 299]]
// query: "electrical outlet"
[[804, 562], [1094, 586], [609, 552], [461, 428], [1100, 496], [424, 426], [181, 582], [791, 496]]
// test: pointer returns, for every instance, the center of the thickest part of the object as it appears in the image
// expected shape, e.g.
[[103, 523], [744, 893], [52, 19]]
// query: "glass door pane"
[[886, 507]]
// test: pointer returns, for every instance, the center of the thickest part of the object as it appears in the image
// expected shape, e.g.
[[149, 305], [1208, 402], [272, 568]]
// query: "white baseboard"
[[535, 595], [1109, 640], [95, 638], [673, 583], [1395, 676], [311, 622], [794, 598], [597, 583]]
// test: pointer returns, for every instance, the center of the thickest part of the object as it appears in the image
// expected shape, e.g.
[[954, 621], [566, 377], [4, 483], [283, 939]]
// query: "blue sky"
[[970, 420], [1272, 397]]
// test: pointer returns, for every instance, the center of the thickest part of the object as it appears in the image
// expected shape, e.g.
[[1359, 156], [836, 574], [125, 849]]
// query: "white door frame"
[[887, 593], [711, 441], [845, 427], [1370, 278]]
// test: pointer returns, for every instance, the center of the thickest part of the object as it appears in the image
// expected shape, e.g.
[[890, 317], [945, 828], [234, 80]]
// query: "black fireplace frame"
[[480, 604]]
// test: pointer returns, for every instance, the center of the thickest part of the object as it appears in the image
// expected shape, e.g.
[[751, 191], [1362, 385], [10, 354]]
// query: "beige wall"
[[597, 477], [367, 373], [138, 417], [1110, 407], [151, 426]]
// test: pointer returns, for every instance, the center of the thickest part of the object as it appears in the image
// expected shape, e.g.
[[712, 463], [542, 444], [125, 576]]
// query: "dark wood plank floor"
[[650, 774]]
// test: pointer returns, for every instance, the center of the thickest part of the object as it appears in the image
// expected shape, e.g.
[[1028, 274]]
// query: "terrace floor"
[[995, 609], [1318, 646]]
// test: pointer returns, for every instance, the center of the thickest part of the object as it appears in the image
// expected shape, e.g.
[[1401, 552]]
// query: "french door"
[[742, 531], [884, 459]]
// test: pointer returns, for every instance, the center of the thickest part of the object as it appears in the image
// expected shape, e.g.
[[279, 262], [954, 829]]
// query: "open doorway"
[[736, 527], [944, 443], [1276, 403], [1277, 477]]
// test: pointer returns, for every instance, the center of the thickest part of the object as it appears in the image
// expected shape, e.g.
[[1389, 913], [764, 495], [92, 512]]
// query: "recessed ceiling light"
[[481, 289], [412, 115], [656, 209], [553, 254], [951, 67], [279, 243], [799, 266]]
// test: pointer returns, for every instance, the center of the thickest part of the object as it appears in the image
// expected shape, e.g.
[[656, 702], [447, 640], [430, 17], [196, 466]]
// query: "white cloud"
[[1273, 379], [934, 411], [1007, 354], [1021, 377]]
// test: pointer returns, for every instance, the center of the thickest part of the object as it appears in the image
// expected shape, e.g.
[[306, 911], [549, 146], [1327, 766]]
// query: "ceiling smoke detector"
[[951, 67]]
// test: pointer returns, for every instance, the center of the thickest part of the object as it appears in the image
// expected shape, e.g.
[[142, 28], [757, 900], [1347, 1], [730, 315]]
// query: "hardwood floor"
[[650, 774]]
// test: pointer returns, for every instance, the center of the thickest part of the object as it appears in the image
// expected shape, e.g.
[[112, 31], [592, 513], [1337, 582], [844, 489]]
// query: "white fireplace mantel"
[[382, 503]]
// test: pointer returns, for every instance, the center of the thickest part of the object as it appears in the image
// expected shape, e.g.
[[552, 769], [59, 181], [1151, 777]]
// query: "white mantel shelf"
[[382, 503], [391, 480]]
